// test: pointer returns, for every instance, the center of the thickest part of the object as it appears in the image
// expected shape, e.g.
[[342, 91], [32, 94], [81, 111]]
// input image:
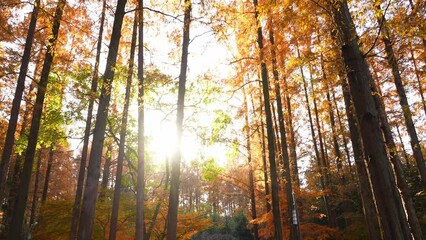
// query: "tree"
[[93, 170], [392, 216], [123, 128], [84, 155], [14, 113], [175, 170], [19, 210]]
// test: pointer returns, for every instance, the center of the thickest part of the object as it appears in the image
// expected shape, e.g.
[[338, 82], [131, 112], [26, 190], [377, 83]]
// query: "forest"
[[213, 119]]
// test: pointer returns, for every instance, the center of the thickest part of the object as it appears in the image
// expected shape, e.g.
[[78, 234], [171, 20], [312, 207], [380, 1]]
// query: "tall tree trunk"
[[320, 165], [123, 128], [35, 192], [84, 155], [284, 150], [393, 221], [140, 187], [14, 113], [419, 82], [261, 135], [407, 158], [342, 131], [47, 175], [392, 61], [367, 198], [157, 207], [14, 177], [269, 129], [19, 210], [249, 163], [106, 172], [174, 182], [93, 171], [293, 153], [396, 162]]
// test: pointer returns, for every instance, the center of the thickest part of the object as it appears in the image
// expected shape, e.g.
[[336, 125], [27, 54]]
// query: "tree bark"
[[84, 152], [367, 198], [393, 221], [269, 129], [35, 192], [174, 182], [419, 82], [93, 170], [392, 61], [261, 135], [284, 150], [47, 175], [396, 163], [249, 163], [123, 128], [14, 113], [140, 187], [19, 210]]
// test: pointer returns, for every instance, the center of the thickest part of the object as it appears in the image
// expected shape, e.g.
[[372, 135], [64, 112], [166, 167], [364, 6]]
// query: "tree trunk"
[[93, 170], [393, 221], [174, 182], [47, 175], [316, 150], [140, 187], [407, 158], [121, 153], [106, 172], [392, 61], [14, 176], [396, 163], [367, 198], [419, 82], [35, 192], [284, 150], [84, 155], [261, 135], [249, 163], [269, 129], [19, 210], [14, 113], [293, 153]]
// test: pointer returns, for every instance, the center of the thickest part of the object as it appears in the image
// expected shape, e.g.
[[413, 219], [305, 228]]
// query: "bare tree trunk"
[[269, 129], [367, 198], [19, 210], [121, 153], [261, 135], [284, 150], [14, 113], [175, 173], [396, 163], [392, 61], [407, 158], [140, 187], [249, 163], [419, 83], [84, 155], [35, 192], [293, 153], [393, 221], [323, 181], [93, 171], [47, 175], [106, 172]]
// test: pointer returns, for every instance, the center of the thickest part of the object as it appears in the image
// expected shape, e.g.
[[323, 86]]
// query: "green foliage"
[[219, 125], [210, 170]]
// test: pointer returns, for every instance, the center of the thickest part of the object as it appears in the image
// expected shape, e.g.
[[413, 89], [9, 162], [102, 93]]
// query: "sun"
[[161, 135]]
